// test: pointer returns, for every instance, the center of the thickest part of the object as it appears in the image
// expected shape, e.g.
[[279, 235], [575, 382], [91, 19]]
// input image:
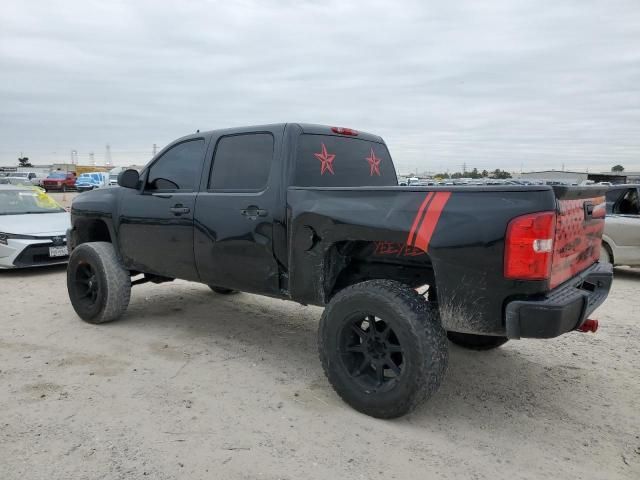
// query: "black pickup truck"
[[314, 214]]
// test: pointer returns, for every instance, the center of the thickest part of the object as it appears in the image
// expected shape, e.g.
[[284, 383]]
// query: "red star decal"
[[374, 164], [326, 159]]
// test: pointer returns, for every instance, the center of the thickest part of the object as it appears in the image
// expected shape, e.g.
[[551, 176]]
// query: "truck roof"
[[310, 128]]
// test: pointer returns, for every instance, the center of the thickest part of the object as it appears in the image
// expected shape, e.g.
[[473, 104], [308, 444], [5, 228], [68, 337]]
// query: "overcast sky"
[[494, 84]]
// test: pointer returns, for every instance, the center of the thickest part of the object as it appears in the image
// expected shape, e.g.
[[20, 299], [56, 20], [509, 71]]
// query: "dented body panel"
[[465, 250]]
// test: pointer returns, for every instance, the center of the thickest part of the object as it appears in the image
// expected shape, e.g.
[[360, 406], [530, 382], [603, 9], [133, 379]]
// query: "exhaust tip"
[[589, 325]]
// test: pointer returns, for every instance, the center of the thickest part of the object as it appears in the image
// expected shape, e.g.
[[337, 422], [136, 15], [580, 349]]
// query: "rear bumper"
[[561, 310]]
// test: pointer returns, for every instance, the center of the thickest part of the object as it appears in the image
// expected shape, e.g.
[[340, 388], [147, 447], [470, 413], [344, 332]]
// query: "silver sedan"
[[32, 228]]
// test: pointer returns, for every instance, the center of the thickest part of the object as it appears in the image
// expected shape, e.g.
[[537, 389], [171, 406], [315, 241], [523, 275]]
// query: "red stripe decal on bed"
[[431, 217], [418, 218]]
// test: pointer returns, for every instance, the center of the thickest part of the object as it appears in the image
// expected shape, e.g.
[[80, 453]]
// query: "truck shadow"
[[480, 387], [33, 271], [626, 272]]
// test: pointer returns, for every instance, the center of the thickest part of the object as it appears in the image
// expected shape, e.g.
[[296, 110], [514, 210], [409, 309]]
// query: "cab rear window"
[[334, 161]]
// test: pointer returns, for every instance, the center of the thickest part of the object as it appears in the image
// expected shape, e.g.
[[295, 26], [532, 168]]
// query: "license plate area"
[[58, 251]]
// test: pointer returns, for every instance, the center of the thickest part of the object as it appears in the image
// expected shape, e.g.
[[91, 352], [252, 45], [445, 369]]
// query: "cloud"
[[508, 84]]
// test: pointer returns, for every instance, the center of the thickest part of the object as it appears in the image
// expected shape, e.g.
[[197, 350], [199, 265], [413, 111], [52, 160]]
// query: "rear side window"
[[332, 161], [242, 162], [178, 168]]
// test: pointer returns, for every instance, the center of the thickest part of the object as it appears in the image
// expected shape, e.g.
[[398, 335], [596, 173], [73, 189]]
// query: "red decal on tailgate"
[[426, 220]]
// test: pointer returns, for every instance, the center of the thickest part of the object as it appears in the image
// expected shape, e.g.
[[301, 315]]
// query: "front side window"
[[242, 162], [178, 168]]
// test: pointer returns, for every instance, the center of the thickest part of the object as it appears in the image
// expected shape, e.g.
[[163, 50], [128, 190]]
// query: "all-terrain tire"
[[222, 290], [415, 324], [476, 342], [98, 284]]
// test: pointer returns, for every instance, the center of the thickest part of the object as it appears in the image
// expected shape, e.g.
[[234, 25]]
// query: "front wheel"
[[382, 347], [99, 286], [476, 342]]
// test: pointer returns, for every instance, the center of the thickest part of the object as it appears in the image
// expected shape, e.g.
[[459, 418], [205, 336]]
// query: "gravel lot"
[[190, 384]]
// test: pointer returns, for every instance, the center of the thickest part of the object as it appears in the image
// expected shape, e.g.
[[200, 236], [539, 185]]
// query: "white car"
[[33, 228], [621, 238]]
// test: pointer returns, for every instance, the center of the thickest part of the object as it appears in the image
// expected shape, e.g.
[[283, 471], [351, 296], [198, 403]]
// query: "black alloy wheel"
[[371, 352], [87, 284]]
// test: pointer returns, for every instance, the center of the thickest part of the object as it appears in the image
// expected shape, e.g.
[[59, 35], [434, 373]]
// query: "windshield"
[[20, 175], [57, 175], [21, 202]]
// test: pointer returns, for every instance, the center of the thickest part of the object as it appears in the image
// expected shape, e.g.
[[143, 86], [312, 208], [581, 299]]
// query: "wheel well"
[[609, 250], [350, 262], [91, 230]]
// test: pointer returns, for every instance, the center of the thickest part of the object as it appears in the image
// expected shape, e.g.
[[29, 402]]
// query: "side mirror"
[[129, 178]]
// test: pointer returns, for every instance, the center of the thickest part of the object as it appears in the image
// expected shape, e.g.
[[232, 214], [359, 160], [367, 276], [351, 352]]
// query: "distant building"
[[576, 177], [632, 177]]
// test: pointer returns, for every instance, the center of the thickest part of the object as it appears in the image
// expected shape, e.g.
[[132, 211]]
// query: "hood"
[[36, 223]]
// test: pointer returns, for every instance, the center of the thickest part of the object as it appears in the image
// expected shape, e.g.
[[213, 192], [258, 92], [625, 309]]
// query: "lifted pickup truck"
[[314, 214]]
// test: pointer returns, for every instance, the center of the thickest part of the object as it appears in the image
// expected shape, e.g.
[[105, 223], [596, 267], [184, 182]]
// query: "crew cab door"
[[234, 219], [156, 223]]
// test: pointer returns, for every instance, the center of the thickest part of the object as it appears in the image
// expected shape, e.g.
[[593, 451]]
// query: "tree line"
[[497, 173]]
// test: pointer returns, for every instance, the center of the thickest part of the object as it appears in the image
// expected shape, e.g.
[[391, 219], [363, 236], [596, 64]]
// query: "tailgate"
[[579, 226]]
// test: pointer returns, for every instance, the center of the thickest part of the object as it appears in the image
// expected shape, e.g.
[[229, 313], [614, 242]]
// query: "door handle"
[[179, 210], [253, 212]]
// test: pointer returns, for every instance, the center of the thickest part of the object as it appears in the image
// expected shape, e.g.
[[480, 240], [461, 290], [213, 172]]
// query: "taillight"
[[529, 246], [344, 131]]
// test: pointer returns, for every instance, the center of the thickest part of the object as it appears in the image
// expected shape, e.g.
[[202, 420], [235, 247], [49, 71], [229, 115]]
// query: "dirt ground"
[[194, 385]]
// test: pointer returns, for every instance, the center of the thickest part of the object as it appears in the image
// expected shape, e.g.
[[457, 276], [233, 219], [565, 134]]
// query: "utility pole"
[[107, 156], [91, 159], [155, 149]]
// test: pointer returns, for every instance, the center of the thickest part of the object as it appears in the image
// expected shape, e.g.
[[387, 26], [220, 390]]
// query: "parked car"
[[113, 175], [621, 238], [61, 181], [92, 180], [22, 178], [32, 228], [314, 214], [15, 181]]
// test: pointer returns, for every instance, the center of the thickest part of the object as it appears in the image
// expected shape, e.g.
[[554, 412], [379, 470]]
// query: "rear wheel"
[[222, 290], [382, 347], [476, 342], [99, 286]]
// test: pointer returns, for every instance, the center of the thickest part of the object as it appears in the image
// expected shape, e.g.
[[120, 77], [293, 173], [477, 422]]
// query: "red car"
[[62, 181]]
